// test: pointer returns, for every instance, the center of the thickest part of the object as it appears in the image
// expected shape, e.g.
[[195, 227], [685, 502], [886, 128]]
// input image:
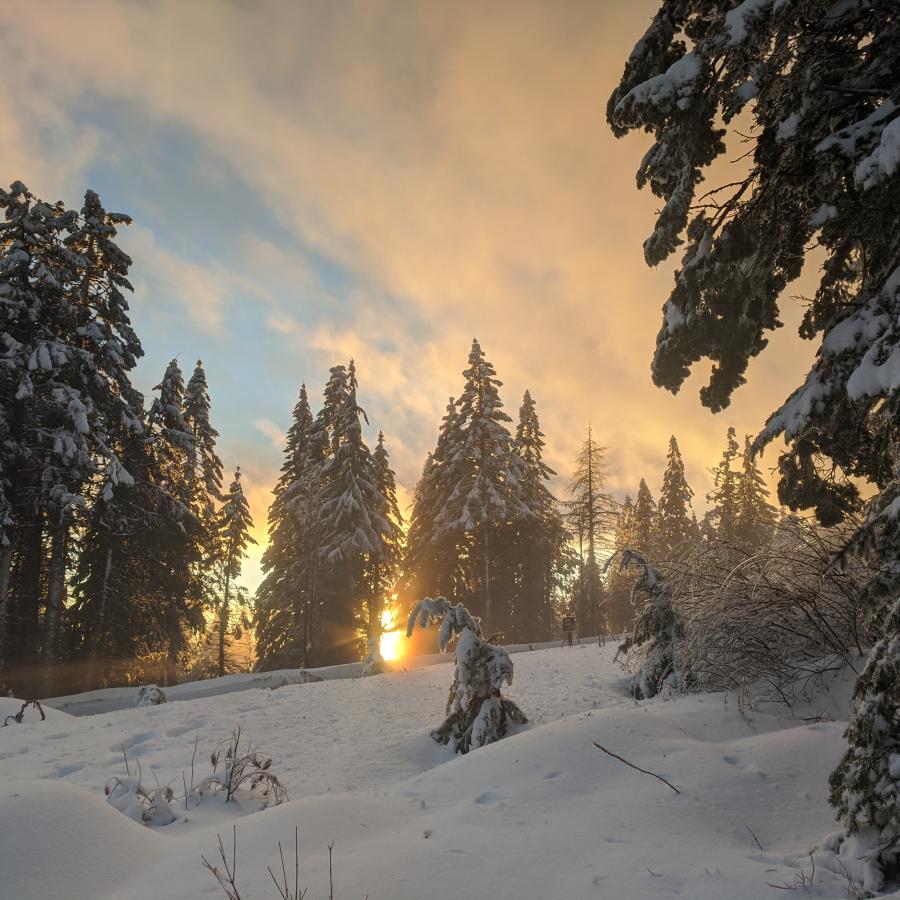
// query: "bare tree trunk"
[[100, 622]]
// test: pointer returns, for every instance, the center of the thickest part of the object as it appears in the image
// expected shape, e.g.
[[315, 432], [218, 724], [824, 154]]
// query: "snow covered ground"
[[542, 814]]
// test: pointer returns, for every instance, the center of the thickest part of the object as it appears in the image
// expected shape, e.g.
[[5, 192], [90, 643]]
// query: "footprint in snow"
[[551, 775], [488, 797]]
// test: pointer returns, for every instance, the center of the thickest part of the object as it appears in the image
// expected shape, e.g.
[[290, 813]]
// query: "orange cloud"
[[455, 157]]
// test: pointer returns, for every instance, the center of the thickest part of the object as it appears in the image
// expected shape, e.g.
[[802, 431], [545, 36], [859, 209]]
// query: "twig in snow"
[[330, 875], [283, 890], [226, 878], [755, 838], [636, 768]]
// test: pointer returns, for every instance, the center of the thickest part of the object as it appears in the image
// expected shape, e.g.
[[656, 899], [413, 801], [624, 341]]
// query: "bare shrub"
[[769, 622], [244, 770], [20, 715], [225, 871]]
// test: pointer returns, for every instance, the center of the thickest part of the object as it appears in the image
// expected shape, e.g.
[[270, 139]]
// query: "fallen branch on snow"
[[636, 768]]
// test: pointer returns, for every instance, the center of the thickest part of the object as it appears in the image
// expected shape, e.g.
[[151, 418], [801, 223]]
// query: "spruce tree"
[[382, 570], [477, 713], [431, 563], [644, 523], [177, 535], [756, 517], [204, 477], [286, 620], [819, 85], [233, 524], [482, 476], [65, 394], [677, 525], [722, 519], [540, 540]]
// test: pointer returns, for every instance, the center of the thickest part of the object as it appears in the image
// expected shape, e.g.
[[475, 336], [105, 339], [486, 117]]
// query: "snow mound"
[[62, 841]]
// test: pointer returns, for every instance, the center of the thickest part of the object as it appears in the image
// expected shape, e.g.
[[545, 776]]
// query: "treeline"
[[117, 541], [485, 528], [121, 548]]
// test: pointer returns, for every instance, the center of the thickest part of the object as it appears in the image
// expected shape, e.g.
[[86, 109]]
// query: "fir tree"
[[179, 544], [382, 569], [431, 561], [677, 525], [477, 713], [756, 517], [232, 525], [819, 85], [481, 476], [722, 519], [357, 534], [204, 477], [656, 631], [644, 523], [540, 540], [286, 613], [66, 395]]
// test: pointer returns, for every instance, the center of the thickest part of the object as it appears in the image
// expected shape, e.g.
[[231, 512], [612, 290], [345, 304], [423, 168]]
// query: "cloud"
[[451, 163], [275, 434]]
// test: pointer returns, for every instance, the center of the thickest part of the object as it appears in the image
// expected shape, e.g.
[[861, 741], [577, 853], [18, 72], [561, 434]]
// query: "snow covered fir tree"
[[477, 713], [816, 88]]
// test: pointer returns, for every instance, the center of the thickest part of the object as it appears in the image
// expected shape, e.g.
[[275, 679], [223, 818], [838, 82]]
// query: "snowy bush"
[[148, 806], [477, 714], [768, 622], [240, 774], [150, 695], [865, 787], [652, 645]]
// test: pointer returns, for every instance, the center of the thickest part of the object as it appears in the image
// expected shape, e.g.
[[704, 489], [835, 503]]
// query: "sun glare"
[[391, 637]]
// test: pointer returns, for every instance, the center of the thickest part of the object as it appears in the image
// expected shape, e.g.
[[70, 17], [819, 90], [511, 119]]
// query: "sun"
[[391, 645]]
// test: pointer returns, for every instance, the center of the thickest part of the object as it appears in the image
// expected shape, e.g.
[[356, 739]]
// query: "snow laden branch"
[[477, 714], [657, 629]]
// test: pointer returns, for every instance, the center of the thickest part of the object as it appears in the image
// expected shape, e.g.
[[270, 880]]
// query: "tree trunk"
[[223, 626], [56, 591], [100, 622], [487, 583], [6, 554], [26, 585]]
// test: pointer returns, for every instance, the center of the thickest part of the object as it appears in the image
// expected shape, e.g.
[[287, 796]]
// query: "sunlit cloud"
[[394, 186]]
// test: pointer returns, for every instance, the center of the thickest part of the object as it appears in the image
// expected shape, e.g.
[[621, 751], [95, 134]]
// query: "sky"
[[314, 180]]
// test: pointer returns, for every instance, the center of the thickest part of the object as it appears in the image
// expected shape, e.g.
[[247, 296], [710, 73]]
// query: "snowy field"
[[542, 814]]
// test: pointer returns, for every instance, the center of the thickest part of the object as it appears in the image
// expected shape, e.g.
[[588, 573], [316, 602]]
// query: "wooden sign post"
[[568, 624]]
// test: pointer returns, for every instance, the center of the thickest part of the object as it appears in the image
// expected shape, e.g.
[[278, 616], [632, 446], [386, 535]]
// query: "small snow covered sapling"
[[373, 664], [150, 695], [655, 632], [476, 712]]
